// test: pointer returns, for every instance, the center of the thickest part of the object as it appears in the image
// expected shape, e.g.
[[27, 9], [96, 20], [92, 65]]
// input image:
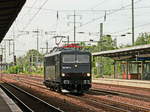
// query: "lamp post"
[[37, 32], [133, 22]]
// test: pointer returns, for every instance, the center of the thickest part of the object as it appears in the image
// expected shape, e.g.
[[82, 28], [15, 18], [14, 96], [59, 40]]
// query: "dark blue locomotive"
[[68, 68]]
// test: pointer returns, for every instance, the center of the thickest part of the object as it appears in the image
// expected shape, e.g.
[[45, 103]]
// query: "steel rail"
[[22, 106], [124, 94], [101, 104], [133, 107], [51, 108], [138, 108]]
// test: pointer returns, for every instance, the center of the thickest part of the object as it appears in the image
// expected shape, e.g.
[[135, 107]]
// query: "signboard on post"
[[15, 61]]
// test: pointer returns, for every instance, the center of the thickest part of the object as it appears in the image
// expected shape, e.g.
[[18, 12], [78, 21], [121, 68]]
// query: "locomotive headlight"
[[75, 66], [63, 75], [88, 74]]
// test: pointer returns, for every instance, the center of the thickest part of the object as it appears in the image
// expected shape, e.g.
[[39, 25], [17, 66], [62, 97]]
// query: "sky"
[[56, 15]]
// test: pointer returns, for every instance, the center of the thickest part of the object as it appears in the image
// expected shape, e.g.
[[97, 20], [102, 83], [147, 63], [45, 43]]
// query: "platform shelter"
[[135, 61], [9, 10]]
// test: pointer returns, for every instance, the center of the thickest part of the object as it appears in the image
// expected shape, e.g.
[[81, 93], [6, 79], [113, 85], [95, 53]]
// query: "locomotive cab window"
[[83, 58], [68, 58], [80, 58]]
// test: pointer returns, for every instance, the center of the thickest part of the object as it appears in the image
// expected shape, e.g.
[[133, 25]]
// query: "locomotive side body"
[[70, 70], [52, 77]]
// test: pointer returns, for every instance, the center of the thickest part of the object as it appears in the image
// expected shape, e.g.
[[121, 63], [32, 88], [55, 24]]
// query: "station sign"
[[143, 58]]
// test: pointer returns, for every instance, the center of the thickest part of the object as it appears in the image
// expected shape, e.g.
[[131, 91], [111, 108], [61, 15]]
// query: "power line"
[[17, 26], [117, 10], [40, 8], [32, 18], [37, 8], [29, 10], [74, 19], [129, 28], [93, 20], [86, 10], [108, 10], [34, 2], [98, 4]]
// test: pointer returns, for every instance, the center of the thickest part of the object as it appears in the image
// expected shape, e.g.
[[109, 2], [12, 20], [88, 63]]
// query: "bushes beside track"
[[24, 70]]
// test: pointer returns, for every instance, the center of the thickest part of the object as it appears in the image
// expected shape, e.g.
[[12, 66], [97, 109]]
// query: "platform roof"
[[126, 53], [9, 9]]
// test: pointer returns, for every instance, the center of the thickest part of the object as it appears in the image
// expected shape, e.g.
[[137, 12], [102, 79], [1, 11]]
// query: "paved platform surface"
[[3, 106], [132, 83], [6, 104]]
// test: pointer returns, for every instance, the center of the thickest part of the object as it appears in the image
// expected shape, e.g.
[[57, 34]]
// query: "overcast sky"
[[42, 14]]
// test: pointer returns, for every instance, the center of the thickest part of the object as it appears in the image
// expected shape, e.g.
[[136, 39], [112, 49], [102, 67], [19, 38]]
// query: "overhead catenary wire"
[[86, 10], [30, 9], [93, 20], [103, 1], [107, 10], [32, 6], [34, 16], [41, 8], [37, 8], [126, 29], [115, 10], [110, 13]]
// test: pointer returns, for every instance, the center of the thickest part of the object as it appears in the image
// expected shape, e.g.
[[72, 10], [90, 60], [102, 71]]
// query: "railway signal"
[[1, 58], [15, 60]]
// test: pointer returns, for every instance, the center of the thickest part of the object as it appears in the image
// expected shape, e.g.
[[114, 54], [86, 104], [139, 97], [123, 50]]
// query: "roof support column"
[[114, 69], [142, 69], [127, 70]]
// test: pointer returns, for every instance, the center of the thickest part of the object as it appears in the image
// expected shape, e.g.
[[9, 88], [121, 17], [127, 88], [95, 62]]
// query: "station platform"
[[123, 82], [6, 104]]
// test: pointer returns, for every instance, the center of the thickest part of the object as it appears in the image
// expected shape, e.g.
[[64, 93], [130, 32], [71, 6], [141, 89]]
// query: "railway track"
[[109, 105], [101, 91], [123, 105], [100, 104], [113, 106], [26, 101], [122, 94]]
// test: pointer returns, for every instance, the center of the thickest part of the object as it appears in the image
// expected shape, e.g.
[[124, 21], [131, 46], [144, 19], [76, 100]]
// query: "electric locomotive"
[[68, 68]]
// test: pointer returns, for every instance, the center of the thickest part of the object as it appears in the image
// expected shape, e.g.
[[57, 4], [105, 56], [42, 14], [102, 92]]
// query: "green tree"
[[143, 38], [31, 62], [102, 65], [107, 43]]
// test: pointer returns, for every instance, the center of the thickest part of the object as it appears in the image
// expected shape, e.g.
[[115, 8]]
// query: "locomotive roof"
[[65, 51]]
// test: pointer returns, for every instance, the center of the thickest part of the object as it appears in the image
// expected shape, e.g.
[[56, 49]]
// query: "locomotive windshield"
[[79, 58], [70, 58], [82, 58]]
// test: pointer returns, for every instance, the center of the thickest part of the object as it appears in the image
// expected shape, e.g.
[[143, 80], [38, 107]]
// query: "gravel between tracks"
[[73, 105], [61, 101], [134, 90]]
